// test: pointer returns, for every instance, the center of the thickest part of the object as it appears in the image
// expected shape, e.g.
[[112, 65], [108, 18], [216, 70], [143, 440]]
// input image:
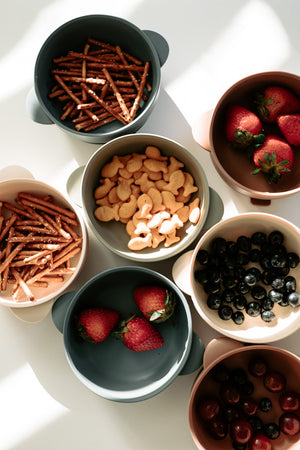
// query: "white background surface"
[[212, 44]]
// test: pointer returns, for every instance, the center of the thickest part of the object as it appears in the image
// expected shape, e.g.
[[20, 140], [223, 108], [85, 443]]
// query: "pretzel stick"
[[118, 95], [9, 223], [22, 284], [7, 252], [140, 91], [11, 256], [52, 206], [48, 210]]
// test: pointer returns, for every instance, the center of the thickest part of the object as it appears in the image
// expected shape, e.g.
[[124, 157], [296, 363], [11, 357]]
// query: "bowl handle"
[[195, 358], [200, 130], [219, 347], [160, 44], [34, 109], [59, 309]]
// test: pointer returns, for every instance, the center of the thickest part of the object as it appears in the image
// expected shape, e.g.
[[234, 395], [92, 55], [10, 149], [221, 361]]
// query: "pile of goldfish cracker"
[[151, 194]]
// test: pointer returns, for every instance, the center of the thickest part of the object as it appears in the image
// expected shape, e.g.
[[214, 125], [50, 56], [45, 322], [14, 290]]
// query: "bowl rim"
[[97, 132], [84, 246], [172, 250], [246, 339], [148, 391], [222, 172]]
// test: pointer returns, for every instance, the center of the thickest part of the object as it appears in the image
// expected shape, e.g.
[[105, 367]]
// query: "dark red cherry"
[[249, 406], [289, 401], [241, 431], [274, 381], [260, 442], [229, 394], [217, 428], [289, 423], [208, 408], [257, 366]]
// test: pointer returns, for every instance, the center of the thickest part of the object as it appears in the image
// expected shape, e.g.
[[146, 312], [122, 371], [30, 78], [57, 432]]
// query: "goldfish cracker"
[[113, 195], [176, 181], [154, 165], [180, 197], [183, 213], [139, 242], [123, 188], [104, 188], [103, 201], [110, 169], [171, 239], [157, 238], [107, 213], [172, 167], [157, 200], [141, 228], [153, 152], [154, 176], [189, 186], [144, 205], [135, 163], [124, 173], [130, 227], [158, 218], [144, 182], [127, 209], [160, 184], [169, 225], [170, 202], [194, 214]]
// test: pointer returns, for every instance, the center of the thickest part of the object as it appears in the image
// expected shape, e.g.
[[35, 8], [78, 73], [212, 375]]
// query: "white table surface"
[[212, 44]]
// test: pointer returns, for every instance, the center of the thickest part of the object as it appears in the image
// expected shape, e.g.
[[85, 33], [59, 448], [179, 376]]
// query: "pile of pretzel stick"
[[99, 85], [37, 242]]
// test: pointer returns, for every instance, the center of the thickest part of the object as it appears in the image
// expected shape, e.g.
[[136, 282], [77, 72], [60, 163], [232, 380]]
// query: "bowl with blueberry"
[[245, 277], [246, 398]]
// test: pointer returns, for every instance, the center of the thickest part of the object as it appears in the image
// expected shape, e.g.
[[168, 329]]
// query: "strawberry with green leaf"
[[95, 324], [156, 303], [289, 125], [138, 334], [274, 101], [243, 127], [273, 159]]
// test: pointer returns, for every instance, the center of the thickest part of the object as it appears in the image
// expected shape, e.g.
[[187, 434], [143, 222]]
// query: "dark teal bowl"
[[110, 369], [145, 45]]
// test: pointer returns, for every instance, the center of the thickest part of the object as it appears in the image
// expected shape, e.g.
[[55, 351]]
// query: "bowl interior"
[[73, 36], [109, 368], [228, 160], [8, 193], [113, 234], [253, 330], [277, 359]]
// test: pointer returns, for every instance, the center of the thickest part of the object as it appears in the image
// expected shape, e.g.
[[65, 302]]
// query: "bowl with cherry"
[[247, 397]]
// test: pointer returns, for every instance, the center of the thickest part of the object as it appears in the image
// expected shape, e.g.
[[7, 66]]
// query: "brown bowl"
[[210, 134], [233, 355]]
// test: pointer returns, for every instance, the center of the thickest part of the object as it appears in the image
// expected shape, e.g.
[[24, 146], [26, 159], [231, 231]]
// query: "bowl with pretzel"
[[144, 196], [97, 77], [43, 243]]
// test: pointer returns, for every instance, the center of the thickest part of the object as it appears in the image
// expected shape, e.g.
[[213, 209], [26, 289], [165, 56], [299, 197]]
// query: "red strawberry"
[[95, 324], [243, 127], [274, 158], [276, 100], [156, 303], [139, 335], [289, 125]]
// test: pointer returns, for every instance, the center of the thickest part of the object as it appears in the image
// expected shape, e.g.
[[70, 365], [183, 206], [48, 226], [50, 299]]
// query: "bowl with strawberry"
[[256, 126], [246, 397], [127, 333]]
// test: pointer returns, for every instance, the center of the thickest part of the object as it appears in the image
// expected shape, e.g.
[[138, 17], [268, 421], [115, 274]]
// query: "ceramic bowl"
[[110, 369], [145, 45], [9, 190], [232, 354], [253, 329], [210, 133], [113, 234]]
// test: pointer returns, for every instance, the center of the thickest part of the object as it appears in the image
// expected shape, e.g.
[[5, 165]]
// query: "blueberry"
[[258, 292], [256, 423], [229, 282], [254, 255], [267, 276], [293, 259], [258, 238], [250, 279], [231, 247], [242, 259], [255, 272], [284, 301], [242, 287], [215, 275], [290, 284], [202, 276], [244, 243], [275, 296], [214, 301], [212, 288], [267, 316], [239, 272], [239, 376], [278, 260], [238, 317], [265, 404], [228, 295], [265, 262], [219, 246], [277, 283], [202, 257], [240, 302], [253, 309], [267, 304], [271, 430], [294, 299], [247, 388], [225, 312], [275, 237]]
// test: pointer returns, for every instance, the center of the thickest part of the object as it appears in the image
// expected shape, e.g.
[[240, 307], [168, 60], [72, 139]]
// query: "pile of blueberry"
[[248, 275], [237, 411]]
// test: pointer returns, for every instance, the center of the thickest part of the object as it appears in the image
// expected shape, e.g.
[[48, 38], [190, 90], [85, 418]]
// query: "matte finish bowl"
[[228, 161], [253, 330], [8, 192], [113, 234], [233, 354], [110, 369], [144, 45]]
